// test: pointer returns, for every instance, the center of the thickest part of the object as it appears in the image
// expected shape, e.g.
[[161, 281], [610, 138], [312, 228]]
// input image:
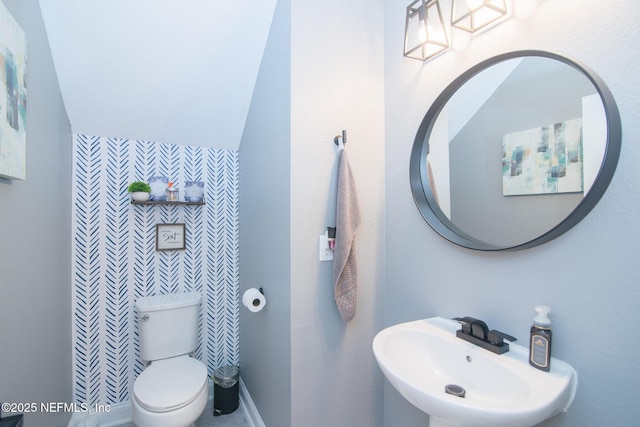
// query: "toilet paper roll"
[[254, 300]]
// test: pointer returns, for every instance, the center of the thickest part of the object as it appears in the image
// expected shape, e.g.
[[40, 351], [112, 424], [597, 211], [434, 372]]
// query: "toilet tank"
[[167, 325]]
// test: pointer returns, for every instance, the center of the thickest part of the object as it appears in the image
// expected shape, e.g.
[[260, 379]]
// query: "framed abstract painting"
[[544, 160], [13, 97]]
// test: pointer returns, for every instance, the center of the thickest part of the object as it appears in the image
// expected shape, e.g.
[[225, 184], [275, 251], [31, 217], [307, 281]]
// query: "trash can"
[[226, 388]]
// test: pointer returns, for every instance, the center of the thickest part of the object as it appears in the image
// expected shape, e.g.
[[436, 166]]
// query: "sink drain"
[[455, 390]]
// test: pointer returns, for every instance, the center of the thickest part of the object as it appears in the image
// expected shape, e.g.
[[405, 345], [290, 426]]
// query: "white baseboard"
[[120, 413], [249, 409]]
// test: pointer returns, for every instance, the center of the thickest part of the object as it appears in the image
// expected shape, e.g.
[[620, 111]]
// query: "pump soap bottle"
[[540, 345], [172, 193]]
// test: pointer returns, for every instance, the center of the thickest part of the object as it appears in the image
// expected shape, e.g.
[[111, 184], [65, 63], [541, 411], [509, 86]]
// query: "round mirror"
[[515, 152]]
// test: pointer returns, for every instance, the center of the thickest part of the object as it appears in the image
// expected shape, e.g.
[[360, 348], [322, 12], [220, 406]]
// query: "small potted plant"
[[140, 191]]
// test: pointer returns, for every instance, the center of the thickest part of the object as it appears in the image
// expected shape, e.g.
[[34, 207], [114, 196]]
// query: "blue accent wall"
[[114, 260]]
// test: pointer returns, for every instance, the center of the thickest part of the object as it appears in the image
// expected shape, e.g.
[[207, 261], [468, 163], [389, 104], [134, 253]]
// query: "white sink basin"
[[420, 358]]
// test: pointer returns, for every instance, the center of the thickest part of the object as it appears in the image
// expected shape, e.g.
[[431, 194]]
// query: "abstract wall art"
[[13, 97], [543, 160]]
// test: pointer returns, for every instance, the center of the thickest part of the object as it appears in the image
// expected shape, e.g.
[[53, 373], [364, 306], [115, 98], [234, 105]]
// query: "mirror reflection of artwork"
[[458, 144], [544, 160], [13, 97]]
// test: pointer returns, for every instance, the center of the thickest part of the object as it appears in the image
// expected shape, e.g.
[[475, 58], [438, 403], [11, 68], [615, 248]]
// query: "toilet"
[[173, 389]]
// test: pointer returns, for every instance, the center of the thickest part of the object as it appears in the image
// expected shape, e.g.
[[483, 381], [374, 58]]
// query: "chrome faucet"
[[477, 332]]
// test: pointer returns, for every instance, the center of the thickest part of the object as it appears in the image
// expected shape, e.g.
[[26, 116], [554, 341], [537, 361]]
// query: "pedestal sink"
[[423, 358]]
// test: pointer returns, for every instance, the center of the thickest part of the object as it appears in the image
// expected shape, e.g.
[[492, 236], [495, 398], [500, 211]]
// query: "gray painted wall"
[[336, 83], [265, 337], [588, 276], [35, 302], [302, 365]]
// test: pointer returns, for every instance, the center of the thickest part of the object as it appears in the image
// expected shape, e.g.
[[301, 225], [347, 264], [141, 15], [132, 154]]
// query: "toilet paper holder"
[[256, 301]]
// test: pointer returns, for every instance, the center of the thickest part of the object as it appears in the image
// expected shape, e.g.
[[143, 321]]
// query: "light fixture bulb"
[[425, 35], [422, 32], [472, 15], [474, 4]]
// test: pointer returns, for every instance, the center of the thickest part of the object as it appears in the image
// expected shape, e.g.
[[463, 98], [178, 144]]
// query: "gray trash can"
[[226, 388]]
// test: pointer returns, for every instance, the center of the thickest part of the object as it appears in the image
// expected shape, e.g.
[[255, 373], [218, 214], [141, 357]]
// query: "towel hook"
[[336, 140]]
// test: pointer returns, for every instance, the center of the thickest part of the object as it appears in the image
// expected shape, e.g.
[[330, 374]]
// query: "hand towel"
[[345, 268]]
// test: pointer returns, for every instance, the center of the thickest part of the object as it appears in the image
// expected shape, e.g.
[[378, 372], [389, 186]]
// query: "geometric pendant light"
[[425, 34], [471, 15]]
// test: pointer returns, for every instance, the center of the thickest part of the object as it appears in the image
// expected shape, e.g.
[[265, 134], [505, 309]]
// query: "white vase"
[[140, 196]]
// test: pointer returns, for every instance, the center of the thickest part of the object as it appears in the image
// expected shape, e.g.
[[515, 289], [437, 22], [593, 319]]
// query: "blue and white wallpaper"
[[114, 260]]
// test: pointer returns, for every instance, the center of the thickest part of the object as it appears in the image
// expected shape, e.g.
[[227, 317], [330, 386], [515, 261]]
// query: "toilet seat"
[[170, 384]]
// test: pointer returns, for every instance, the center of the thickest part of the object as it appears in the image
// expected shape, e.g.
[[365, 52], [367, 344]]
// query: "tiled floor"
[[235, 419]]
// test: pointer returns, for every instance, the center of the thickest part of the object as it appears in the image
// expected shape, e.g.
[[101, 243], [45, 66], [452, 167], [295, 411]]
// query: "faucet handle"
[[465, 322], [473, 326], [497, 337]]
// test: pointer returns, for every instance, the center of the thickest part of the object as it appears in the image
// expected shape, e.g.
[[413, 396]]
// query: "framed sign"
[[170, 237]]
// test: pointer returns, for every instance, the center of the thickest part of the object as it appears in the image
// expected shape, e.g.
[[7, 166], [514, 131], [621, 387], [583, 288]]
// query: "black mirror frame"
[[418, 173]]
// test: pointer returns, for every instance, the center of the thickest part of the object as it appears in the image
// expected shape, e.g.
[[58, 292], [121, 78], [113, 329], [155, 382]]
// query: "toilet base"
[[183, 417]]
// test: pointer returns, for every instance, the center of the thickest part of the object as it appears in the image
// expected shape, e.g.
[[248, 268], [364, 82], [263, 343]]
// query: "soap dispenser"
[[540, 344], [172, 193]]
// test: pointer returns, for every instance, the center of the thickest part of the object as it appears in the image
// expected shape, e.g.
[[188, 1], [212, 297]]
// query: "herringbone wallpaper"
[[114, 260]]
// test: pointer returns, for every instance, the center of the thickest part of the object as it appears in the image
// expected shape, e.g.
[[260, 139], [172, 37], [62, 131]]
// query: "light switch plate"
[[326, 254]]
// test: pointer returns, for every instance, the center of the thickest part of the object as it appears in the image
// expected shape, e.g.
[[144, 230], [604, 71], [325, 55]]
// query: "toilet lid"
[[170, 383]]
